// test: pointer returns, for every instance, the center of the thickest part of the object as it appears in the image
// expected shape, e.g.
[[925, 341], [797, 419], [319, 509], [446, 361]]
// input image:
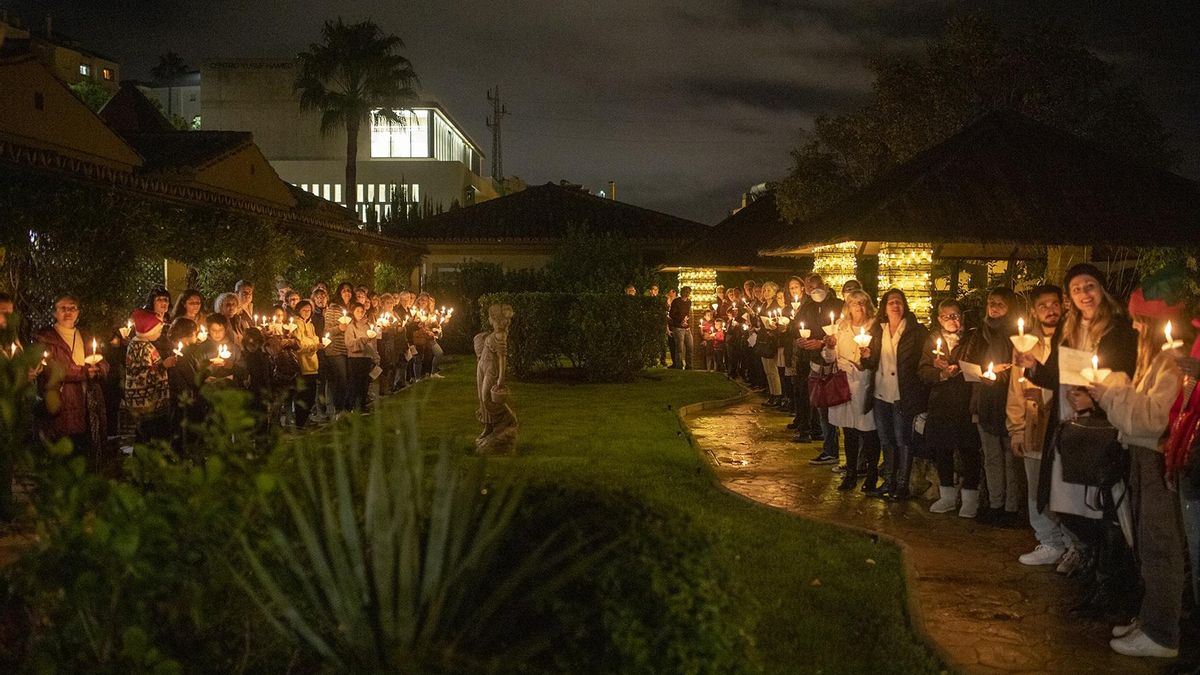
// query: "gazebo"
[[1004, 189]]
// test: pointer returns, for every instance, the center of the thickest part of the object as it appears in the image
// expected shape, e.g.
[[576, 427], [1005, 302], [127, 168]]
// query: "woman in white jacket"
[[1140, 410], [857, 425]]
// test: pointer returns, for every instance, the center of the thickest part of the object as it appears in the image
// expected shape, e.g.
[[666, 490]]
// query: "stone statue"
[[499, 422]]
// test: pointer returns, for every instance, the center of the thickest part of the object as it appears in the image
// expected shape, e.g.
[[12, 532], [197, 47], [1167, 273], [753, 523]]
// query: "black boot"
[[849, 481]]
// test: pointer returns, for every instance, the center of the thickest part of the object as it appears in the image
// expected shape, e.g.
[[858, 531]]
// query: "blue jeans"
[[829, 433], [1044, 523], [895, 437]]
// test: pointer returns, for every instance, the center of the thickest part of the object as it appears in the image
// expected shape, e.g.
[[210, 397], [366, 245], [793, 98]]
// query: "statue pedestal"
[[498, 442]]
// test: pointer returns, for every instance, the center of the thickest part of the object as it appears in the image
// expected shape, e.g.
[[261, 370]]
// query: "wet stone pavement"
[[986, 612]]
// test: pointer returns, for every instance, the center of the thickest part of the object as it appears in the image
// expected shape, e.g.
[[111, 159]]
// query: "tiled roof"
[[544, 212], [735, 241], [186, 149], [1009, 179]]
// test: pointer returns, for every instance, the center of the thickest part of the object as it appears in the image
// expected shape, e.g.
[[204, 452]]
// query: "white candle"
[[1170, 343], [938, 350], [95, 356], [1021, 326], [179, 349], [1095, 362], [991, 373], [203, 335]]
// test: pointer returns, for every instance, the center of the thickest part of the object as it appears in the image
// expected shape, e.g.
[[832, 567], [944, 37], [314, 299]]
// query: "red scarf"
[[1185, 420]]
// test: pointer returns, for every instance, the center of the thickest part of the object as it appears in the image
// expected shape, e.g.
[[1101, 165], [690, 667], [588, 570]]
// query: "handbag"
[[1090, 453], [828, 388]]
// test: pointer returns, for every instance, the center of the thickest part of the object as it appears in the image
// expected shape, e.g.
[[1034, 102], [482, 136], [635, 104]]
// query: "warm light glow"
[[907, 266], [836, 263], [1021, 327], [702, 280]]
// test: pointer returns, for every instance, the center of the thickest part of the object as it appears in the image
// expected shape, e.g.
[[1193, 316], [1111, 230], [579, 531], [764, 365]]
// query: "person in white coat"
[[857, 425]]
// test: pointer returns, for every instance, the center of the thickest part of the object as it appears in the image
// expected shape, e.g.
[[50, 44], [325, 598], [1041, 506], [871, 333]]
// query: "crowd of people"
[[1008, 419], [304, 361]]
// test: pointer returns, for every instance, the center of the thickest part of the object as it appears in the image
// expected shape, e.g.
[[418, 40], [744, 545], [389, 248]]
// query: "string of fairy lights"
[[836, 263], [908, 267]]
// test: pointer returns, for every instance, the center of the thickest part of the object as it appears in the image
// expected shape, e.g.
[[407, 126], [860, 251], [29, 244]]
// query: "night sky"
[[684, 104]]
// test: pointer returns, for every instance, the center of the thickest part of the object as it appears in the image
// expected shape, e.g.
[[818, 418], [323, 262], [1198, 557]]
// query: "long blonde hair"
[[1108, 310], [1151, 339]]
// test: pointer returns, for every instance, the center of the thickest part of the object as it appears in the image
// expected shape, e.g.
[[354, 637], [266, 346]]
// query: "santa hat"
[[1140, 305], [145, 322]]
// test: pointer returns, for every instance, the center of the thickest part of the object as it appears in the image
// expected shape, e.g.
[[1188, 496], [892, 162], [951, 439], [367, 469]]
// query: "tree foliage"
[[587, 261], [353, 73], [971, 69]]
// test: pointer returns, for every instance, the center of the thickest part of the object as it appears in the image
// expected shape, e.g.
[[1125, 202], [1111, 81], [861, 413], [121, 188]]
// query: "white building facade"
[[424, 159]]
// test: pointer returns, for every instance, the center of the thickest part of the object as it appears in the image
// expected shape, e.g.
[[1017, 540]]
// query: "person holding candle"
[[319, 300], [308, 347], [820, 311], [1094, 323], [765, 335], [1028, 417], [335, 352], [184, 389], [362, 356], [219, 356], [990, 346], [950, 432], [857, 425], [896, 393], [707, 326], [785, 349], [147, 401], [70, 386], [1139, 407]]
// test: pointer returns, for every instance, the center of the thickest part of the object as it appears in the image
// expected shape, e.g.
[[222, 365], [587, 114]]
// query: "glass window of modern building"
[[404, 139]]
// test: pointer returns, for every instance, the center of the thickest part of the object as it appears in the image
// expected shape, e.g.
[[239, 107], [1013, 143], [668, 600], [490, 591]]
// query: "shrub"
[[608, 337], [657, 601]]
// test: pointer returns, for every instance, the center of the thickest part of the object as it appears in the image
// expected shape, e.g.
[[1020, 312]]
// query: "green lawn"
[[628, 437]]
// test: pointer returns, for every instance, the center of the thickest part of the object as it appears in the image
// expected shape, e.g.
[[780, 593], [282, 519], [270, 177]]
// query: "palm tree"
[[351, 74]]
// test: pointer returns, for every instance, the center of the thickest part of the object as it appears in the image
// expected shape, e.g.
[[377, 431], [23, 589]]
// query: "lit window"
[[407, 138], [337, 193], [85, 70], [106, 73]]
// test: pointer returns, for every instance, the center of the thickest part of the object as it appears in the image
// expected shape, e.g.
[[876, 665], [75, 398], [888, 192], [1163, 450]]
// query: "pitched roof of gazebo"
[[734, 243], [1007, 179]]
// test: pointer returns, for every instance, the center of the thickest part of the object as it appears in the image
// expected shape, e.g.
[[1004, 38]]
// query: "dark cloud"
[[685, 103]]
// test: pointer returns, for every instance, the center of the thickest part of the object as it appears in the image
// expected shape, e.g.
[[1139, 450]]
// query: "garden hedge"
[[608, 337]]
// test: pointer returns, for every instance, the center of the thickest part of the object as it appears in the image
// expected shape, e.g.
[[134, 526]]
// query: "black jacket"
[[681, 310], [1117, 350], [948, 425], [914, 394], [815, 316]]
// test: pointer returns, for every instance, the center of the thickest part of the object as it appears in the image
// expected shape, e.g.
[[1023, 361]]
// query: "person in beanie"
[[1139, 407], [1094, 323], [147, 382]]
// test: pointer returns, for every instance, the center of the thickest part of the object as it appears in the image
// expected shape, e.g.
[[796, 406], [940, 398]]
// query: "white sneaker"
[[438, 376], [1042, 555], [1138, 643], [1122, 631], [1071, 561]]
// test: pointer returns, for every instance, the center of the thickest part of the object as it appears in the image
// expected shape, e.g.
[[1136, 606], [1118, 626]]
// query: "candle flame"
[[1095, 361], [1168, 332], [1021, 326]]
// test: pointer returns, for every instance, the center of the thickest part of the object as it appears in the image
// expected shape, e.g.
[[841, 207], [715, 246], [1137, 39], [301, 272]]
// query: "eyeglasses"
[[950, 317]]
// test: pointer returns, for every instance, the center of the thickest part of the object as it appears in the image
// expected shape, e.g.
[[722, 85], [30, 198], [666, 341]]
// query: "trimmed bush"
[[654, 598], [608, 337]]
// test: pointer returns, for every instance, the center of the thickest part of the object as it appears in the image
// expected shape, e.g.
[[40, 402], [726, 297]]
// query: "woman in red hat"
[[147, 381], [1140, 409]]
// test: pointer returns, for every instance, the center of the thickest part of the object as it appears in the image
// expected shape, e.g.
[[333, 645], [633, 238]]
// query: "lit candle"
[[203, 335], [1021, 328], [862, 339], [45, 355], [325, 341], [1095, 362], [990, 373], [938, 350], [223, 352], [179, 349], [1170, 343], [95, 356]]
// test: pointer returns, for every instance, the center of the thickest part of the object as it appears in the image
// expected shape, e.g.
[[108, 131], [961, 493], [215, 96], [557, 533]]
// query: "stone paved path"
[[986, 612]]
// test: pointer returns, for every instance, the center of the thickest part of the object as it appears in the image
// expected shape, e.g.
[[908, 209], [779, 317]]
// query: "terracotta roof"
[[1009, 179], [735, 241], [544, 212]]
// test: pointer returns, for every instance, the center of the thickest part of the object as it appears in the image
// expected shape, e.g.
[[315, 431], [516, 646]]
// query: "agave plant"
[[381, 567]]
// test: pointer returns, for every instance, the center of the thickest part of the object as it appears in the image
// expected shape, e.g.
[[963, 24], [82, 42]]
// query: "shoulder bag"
[[828, 387]]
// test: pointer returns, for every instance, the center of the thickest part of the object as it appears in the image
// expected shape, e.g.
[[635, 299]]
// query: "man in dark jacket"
[[815, 314], [681, 329]]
